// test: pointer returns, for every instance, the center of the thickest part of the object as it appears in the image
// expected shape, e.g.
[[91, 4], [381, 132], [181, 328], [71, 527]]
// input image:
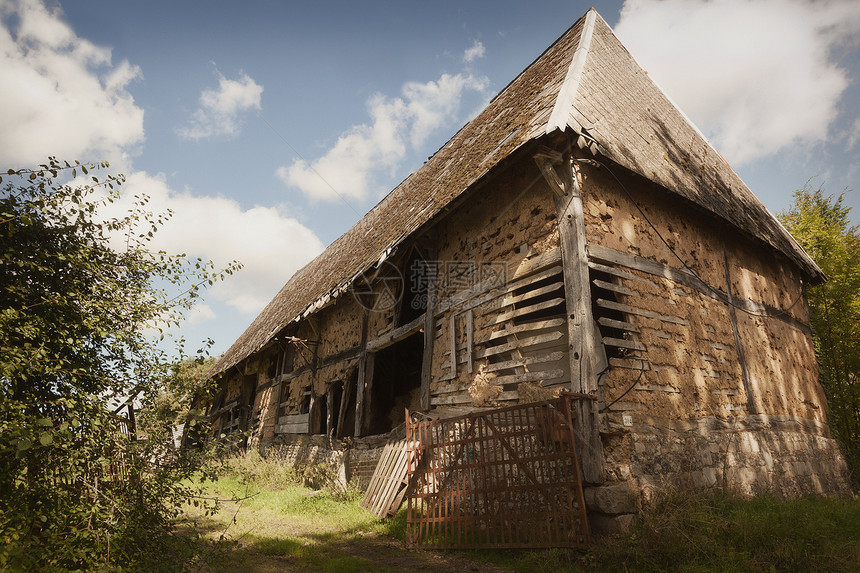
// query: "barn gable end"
[[579, 235]]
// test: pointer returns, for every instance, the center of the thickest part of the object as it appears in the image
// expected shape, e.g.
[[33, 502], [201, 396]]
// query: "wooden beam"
[[623, 343], [470, 344], [519, 344], [347, 354], [582, 352], [396, 335], [361, 382], [751, 408], [688, 279], [508, 364], [529, 326], [533, 376], [619, 324], [429, 336], [508, 300], [527, 310], [641, 312], [452, 333]]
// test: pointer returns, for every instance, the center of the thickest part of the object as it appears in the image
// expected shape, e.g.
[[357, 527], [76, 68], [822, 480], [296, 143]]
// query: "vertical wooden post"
[[361, 382], [429, 337], [470, 327], [453, 334], [582, 350], [132, 423], [738, 343]]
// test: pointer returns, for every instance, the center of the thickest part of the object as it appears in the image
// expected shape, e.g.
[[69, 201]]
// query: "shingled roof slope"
[[586, 81], [636, 125]]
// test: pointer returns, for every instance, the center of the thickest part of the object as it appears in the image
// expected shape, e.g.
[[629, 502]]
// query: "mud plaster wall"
[[687, 423], [340, 326], [697, 363], [509, 219]]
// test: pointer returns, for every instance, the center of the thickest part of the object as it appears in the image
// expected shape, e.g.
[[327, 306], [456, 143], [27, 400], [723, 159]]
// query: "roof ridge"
[[560, 116]]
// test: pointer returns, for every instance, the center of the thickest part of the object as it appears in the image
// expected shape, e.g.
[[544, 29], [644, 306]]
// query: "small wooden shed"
[[581, 235]]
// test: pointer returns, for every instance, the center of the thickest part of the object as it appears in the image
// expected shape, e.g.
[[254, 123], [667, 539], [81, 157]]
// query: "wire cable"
[[632, 386]]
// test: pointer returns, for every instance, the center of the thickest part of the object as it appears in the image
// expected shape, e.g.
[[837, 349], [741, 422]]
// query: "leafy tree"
[[820, 224], [78, 292]]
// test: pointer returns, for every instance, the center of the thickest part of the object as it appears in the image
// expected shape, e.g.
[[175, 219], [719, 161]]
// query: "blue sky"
[[271, 127]]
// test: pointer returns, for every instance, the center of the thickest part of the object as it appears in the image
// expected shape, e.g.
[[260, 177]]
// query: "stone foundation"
[[748, 456]]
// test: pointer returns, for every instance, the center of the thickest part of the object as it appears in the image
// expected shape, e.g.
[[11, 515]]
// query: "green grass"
[[266, 512], [278, 523], [717, 533]]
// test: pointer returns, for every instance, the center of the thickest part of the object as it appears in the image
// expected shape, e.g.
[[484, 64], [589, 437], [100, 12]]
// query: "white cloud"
[[61, 94], [475, 52], [270, 244], [200, 313], [853, 135], [350, 165], [220, 109], [755, 75]]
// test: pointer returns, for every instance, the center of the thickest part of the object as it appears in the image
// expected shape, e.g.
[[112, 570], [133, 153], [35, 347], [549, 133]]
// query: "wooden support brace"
[[582, 352]]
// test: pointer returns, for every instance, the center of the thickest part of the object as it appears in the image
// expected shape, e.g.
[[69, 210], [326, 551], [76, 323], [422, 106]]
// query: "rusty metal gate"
[[503, 478]]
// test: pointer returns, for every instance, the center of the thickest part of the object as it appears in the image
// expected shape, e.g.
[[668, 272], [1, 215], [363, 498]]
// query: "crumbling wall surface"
[[339, 328], [353, 459], [699, 393], [694, 365]]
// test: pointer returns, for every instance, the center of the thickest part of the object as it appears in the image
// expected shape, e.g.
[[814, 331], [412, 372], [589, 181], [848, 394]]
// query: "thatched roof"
[[586, 82]]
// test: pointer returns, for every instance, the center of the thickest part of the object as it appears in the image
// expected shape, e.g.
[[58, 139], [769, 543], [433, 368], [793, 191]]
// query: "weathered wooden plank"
[[657, 388], [294, 419], [551, 357], [613, 287], [523, 343], [527, 327], [448, 389], [297, 372], [641, 312], [623, 343], [427, 358], [445, 400], [527, 310], [509, 300], [613, 271], [531, 279], [361, 410], [751, 407], [527, 377], [536, 264], [690, 280], [452, 334], [361, 389], [344, 406], [396, 335], [582, 349], [470, 343], [619, 324], [297, 428]]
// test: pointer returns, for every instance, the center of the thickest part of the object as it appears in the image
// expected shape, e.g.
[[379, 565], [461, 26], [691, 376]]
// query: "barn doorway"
[[396, 383]]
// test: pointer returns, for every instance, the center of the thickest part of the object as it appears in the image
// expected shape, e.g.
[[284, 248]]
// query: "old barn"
[[579, 235]]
